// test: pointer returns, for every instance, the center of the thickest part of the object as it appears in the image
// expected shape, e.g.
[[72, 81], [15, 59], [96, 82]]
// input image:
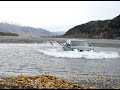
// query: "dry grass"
[[39, 82]]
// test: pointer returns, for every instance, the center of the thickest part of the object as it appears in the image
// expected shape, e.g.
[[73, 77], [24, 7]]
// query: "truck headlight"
[[92, 49]]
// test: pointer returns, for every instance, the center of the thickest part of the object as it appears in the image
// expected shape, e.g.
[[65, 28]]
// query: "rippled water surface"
[[45, 58]]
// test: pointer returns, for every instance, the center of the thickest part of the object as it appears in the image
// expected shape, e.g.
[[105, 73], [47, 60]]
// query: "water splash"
[[57, 51]]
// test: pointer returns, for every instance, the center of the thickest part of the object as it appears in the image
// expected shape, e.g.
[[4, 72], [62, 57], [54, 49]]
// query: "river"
[[44, 58]]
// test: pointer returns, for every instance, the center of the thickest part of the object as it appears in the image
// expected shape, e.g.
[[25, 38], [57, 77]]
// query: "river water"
[[45, 58]]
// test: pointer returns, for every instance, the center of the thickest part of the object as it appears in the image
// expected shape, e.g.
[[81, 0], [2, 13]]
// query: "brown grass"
[[39, 82]]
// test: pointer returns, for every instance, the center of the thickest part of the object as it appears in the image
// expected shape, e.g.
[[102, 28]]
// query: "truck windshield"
[[79, 43]]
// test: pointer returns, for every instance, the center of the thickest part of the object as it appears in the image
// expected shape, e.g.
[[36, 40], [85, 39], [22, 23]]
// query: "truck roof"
[[69, 40]]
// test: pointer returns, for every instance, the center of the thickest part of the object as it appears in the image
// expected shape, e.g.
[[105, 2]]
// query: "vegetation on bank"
[[8, 34], [39, 82]]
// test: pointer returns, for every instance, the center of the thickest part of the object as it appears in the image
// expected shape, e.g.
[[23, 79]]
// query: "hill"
[[107, 29]]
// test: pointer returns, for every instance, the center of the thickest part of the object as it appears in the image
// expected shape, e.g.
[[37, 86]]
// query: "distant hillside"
[[108, 29], [25, 31]]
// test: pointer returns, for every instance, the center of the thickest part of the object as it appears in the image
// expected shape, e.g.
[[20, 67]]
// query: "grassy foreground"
[[39, 82]]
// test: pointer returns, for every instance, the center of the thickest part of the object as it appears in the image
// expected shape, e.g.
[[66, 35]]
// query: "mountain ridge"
[[26, 31]]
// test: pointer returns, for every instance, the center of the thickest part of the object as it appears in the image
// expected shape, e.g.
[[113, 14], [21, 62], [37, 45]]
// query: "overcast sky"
[[57, 15]]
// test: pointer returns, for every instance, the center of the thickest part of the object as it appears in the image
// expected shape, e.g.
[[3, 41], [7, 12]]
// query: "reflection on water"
[[17, 59]]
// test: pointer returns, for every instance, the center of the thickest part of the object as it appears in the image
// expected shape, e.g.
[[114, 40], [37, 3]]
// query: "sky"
[[57, 15]]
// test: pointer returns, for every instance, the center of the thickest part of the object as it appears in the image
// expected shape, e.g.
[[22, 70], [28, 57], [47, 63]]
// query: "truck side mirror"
[[68, 45]]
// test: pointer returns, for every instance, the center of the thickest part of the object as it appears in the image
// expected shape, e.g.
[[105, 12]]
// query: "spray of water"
[[57, 51]]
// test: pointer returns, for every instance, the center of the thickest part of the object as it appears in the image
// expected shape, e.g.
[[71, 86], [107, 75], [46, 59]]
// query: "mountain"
[[107, 29], [24, 31], [58, 33]]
